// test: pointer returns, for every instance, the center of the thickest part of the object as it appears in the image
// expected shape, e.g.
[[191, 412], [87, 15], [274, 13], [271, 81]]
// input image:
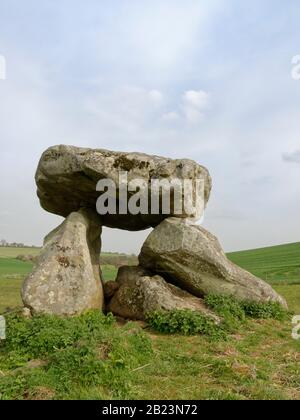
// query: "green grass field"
[[10, 267], [13, 271], [8, 252], [258, 361], [276, 265]]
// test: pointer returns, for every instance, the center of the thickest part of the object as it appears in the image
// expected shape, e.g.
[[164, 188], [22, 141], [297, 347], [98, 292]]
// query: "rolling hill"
[[276, 264]]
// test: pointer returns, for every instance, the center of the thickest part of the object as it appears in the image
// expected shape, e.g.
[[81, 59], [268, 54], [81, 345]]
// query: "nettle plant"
[[232, 312], [229, 306], [185, 322]]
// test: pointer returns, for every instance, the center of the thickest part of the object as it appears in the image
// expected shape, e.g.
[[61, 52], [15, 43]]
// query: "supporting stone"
[[66, 279], [139, 293], [192, 258]]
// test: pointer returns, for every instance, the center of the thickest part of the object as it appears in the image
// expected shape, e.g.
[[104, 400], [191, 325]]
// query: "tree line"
[[4, 243]]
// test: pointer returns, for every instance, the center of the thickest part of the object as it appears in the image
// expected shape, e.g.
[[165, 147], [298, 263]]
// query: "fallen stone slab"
[[140, 293], [192, 258], [66, 278]]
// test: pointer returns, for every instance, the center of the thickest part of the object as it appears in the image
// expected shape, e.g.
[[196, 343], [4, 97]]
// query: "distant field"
[[291, 293], [276, 265], [109, 272], [13, 272], [10, 267], [10, 289], [8, 252]]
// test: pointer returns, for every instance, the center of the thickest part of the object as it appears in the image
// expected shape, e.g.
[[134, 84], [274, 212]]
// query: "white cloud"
[[293, 157], [196, 99], [194, 105], [193, 116], [123, 113], [156, 97], [2, 67], [171, 116], [163, 34]]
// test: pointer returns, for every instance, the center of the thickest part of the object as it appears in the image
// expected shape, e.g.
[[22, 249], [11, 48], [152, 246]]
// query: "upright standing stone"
[[66, 279]]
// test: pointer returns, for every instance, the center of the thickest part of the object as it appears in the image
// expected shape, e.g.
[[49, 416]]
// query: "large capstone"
[[66, 279], [192, 258], [67, 177], [140, 293]]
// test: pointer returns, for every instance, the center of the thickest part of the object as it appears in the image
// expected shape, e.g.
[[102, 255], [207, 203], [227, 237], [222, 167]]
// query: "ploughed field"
[[259, 360]]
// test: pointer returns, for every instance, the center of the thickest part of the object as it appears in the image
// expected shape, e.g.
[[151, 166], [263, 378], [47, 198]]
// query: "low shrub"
[[185, 322], [229, 309], [271, 310], [232, 312], [228, 306]]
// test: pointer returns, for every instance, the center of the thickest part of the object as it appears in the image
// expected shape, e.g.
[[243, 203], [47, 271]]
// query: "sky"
[[211, 81]]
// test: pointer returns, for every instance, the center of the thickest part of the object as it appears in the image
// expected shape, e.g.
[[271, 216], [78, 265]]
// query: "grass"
[[276, 265], [10, 293], [93, 358], [10, 252], [259, 362], [292, 295], [109, 272], [72, 355], [13, 271], [10, 267]]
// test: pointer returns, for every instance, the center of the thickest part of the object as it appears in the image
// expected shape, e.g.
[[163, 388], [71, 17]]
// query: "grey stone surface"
[[110, 288], [67, 177], [192, 258], [66, 279], [140, 293]]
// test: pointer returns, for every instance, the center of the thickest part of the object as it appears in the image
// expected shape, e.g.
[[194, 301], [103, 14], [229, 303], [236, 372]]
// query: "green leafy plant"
[[225, 306], [233, 314], [271, 310], [229, 309], [185, 322], [76, 353], [233, 309]]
